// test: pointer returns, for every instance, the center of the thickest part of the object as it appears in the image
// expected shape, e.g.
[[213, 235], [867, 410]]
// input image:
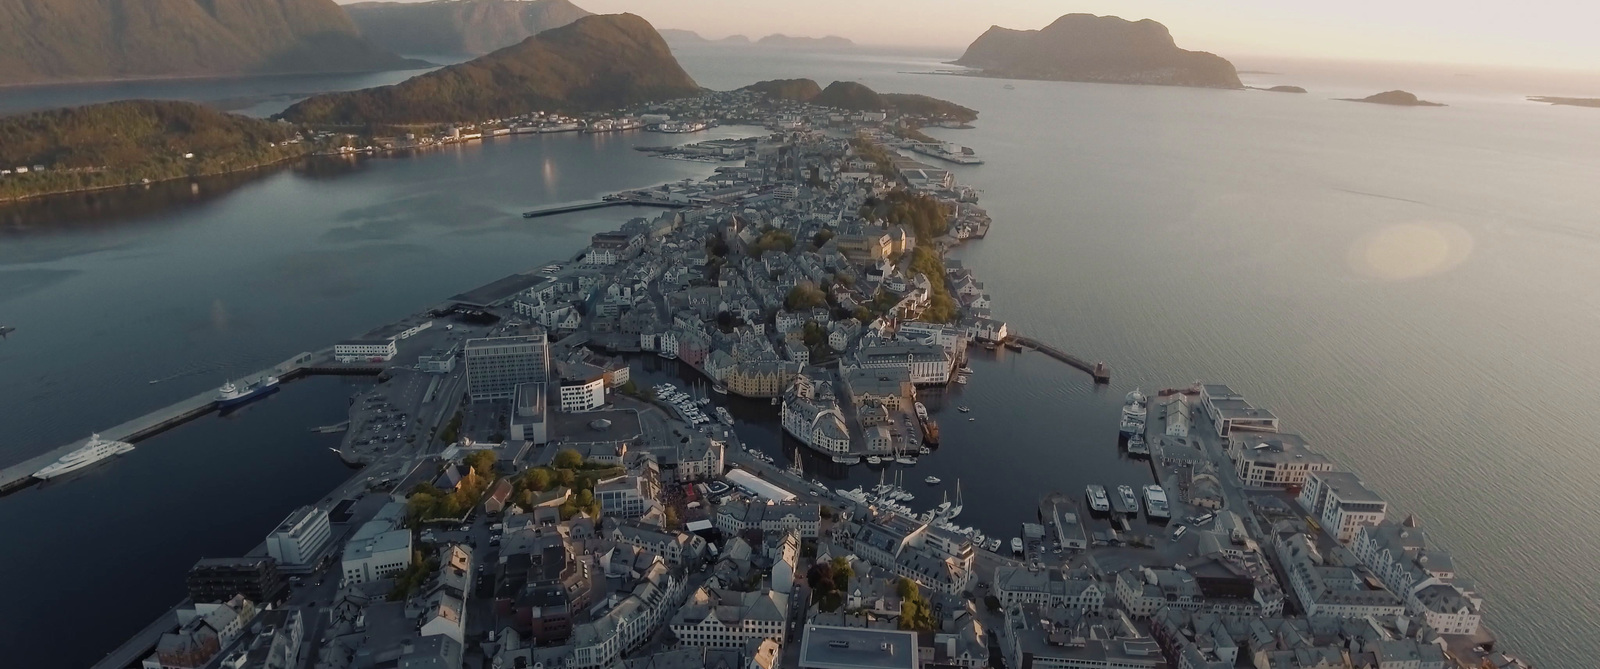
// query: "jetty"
[[1099, 370], [601, 204], [20, 475]]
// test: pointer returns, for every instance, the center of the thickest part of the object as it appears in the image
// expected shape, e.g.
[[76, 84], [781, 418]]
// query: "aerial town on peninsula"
[[526, 501]]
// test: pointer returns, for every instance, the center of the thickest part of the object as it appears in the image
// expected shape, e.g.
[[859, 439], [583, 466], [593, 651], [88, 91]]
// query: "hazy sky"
[[1539, 33]]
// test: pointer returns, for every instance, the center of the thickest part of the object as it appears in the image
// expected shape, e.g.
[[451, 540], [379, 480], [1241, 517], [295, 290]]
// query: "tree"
[[482, 462], [568, 458], [537, 479], [907, 588], [821, 238], [806, 295], [813, 334], [842, 573], [672, 517]]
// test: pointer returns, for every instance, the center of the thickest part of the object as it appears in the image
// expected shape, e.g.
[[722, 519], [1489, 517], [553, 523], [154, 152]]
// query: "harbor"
[[21, 475]]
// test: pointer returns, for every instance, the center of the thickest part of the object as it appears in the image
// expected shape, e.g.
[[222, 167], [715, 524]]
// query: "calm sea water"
[[1409, 288]]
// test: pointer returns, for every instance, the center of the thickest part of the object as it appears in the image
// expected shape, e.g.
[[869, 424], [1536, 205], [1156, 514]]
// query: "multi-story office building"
[[213, 580], [497, 365], [300, 538]]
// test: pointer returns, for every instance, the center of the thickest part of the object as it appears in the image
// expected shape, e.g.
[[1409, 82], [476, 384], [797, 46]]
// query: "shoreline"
[[7, 201], [242, 76]]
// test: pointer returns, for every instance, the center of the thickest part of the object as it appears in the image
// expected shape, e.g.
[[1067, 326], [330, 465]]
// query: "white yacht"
[[931, 480], [922, 411], [95, 450], [1016, 545]]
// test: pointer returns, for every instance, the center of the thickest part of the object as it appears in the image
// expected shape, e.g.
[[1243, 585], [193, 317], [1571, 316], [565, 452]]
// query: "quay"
[[20, 475], [600, 204], [1099, 370]]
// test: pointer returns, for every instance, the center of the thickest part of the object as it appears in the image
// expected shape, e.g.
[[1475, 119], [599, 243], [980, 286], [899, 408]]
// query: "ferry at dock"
[[1129, 503], [95, 450], [232, 395], [1097, 498], [1155, 502]]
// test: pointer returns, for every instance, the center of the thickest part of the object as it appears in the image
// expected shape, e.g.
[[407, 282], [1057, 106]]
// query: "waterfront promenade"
[[20, 475]]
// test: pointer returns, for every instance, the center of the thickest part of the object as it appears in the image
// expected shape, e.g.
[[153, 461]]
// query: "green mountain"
[[595, 63], [850, 95], [797, 90], [64, 40], [1084, 47], [858, 97], [472, 27], [125, 142]]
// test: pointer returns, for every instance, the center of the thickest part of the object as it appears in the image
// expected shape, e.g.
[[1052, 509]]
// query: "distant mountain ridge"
[[1084, 47], [45, 41], [470, 27], [599, 62], [829, 41]]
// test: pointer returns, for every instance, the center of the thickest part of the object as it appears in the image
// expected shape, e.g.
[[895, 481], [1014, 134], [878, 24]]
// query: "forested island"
[[132, 142], [1394, 98], [1107, 49], [1566, 102]]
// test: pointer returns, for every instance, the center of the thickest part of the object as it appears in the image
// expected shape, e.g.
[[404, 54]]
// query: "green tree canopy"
[[568, 458], [806, 295]]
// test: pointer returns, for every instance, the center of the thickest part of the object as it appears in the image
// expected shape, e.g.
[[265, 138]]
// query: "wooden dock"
[[1099, 370], [600, 204], [20, 475]]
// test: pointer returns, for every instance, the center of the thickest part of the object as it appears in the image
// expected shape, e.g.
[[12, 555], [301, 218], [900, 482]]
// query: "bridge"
[[1099, 370], [600, 204]]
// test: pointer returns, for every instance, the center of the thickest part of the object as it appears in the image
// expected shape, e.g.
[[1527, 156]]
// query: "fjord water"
[[1412, 289]]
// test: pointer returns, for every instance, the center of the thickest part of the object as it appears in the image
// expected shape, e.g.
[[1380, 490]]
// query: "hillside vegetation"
[[853, 96], [62, 40], [598, 62], [126, 142], [471, 27]]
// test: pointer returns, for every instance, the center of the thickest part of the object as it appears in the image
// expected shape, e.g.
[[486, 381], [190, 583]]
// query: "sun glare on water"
[[1410, 251]]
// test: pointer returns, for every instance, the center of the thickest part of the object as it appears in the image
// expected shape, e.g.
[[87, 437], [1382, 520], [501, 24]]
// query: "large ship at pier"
[[232, 395], [95, 450]]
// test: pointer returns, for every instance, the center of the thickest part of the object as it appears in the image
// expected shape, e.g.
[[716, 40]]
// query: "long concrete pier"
[[1099, 370], [20, 475], [599, 204]]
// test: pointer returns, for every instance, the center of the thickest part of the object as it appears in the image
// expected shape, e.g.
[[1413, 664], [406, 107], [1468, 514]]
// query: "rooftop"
[[829, 647]]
